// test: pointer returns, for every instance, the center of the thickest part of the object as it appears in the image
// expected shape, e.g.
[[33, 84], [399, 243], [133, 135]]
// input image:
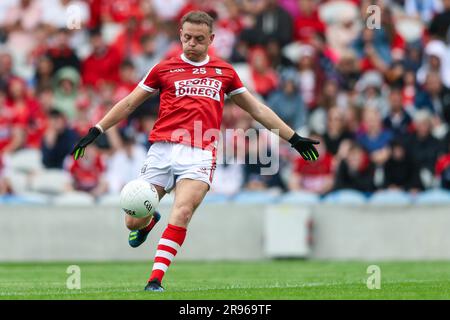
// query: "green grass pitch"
[[280, 279]]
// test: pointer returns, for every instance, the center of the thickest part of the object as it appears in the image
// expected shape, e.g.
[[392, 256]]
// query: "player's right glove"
[[305, 147], [78, 150]]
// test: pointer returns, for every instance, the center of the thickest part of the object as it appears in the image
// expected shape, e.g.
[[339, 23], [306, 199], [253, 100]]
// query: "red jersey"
[[191, 98]]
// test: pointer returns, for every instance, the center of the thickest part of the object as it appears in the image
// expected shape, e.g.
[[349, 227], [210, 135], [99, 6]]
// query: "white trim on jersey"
[[196, 64], [143, 85], [237, 91]]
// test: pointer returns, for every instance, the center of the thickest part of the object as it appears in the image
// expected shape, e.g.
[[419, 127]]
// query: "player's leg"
[[155, 170], [188, 196], [141, 227]]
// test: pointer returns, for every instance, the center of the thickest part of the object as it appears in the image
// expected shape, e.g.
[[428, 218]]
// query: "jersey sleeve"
[[235, 86], [151, 81]]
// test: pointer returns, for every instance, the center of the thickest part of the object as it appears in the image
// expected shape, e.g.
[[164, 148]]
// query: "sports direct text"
[[204, 87], [236, 146]]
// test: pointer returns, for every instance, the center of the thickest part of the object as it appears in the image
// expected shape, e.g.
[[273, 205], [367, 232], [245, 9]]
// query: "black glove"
[[305, 147], [78, 150]]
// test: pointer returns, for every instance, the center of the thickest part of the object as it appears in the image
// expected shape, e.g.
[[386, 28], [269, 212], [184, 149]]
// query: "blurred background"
[[377, 99]]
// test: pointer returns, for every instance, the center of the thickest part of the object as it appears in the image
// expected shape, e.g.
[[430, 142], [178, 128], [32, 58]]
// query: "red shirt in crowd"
[[442, 163], [314, 174], [305, 27], [86, 172], [98, 68]]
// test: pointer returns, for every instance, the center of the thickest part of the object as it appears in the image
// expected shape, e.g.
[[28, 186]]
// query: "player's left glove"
[[78, 150], [305, 147]]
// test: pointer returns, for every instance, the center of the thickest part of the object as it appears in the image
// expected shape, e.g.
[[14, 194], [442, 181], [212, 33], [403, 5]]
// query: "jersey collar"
[[197, 64]]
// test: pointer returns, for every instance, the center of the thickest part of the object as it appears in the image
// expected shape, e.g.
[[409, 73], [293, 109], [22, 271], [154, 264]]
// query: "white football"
[[139, 199]]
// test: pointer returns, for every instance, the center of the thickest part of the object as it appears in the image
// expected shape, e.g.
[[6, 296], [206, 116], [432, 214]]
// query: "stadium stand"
[[383, 90]]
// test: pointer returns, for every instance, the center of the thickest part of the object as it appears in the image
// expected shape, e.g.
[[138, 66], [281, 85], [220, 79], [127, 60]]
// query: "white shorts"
[[169, 162]]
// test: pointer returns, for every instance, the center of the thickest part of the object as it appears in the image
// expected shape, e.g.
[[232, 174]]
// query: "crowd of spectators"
[[375, 93]]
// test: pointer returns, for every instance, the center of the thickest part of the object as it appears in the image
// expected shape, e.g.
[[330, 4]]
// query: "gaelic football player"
[[192, 90]]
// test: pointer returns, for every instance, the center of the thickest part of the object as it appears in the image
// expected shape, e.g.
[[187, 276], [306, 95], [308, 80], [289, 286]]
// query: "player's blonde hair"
[[198, 17]]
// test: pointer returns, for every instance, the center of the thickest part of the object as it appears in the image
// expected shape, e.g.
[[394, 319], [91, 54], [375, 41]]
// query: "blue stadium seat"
[[25, 199], [216, 198], [390, 197], [255, 197], [300, 197], [345, 196], [74, 198], [433, 197], [110, 199]]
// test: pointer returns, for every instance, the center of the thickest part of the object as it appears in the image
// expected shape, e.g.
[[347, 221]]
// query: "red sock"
[[171, 241], [150, 225]]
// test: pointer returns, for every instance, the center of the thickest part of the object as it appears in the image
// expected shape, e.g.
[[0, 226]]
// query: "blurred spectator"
[[348, 71], [435, 97], [26, 13], [423, 9], [272, 24], [370, 88], [355, 171], [398, 121], [353, 117], [127, 81], [127, 43], [442, 169], [336, 135], [148, 58], [287, 102], [60, 52], [375, 140], [12, 130], [317, 176], [66, 88], [228, 178], [126, 163], [400, 171], [373, 49], [5, 185], [263, 77], [103, 63], [58, 140], [259, 156], [436, 59], [410, 91], [88, 173], [424, 148], [309, 76], [373, 136], [43, 76], [439, 26], [307, 24], [26, 112], [6, 69], [327, 100], [169, 10]]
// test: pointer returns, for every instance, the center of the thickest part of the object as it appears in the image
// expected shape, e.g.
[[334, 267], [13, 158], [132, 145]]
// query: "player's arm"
[[264, 115], [120, 111]]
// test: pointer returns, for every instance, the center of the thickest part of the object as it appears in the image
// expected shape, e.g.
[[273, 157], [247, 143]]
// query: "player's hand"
[[78, 150], [305, 147]]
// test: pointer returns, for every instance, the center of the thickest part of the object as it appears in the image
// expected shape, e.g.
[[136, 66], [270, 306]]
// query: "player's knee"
[[183, 214]]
